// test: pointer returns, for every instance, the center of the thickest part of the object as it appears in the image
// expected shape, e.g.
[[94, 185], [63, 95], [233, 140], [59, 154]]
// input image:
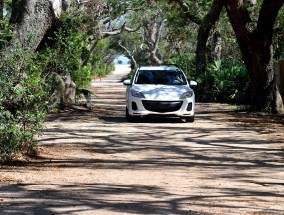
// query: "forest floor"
[[92, 161]]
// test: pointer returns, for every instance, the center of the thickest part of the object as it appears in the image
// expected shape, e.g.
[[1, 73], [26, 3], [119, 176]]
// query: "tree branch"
[[131, 55], [119, 30], [191, 15], [86, 60], [267, 16], [158, 35], [239, 18]]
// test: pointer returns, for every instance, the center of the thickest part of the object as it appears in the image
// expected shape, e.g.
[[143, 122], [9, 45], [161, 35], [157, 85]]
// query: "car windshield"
[[164, 77]]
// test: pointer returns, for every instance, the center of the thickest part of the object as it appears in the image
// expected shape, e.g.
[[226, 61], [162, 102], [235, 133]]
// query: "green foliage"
[[185, 62], [22, 103], [102, 69], [82, 77], [225, 81], [278, 40], [102, 62], [6, 32], [65, 51], [230, 48]]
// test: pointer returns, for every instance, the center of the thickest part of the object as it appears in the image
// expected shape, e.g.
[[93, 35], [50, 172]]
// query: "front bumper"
[[142, 107]]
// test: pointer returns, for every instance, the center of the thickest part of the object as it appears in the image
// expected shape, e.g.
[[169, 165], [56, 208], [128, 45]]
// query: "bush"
[[63, 51], [186, 62], [22, 104], [82, 77], [225, 81], [6, 32], [102, 69]]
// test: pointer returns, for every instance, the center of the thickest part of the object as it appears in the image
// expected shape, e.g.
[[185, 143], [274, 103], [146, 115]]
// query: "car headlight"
[[187, 94], [137, 94]]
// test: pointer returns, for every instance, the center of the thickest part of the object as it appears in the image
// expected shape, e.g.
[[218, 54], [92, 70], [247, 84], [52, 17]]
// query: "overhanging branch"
[[191, 15], [118, 31]]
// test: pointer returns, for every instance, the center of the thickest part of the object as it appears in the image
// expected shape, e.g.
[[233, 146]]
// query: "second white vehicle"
[[160, 90]]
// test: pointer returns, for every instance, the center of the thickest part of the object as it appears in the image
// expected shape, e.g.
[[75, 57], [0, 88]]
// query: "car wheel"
[[189, 119], [129, 118]]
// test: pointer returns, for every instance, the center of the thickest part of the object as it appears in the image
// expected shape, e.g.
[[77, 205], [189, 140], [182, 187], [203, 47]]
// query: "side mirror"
[[127, 82], [192, 83]]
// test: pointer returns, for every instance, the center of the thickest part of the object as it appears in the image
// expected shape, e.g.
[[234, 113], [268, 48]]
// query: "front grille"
[[162, 106]]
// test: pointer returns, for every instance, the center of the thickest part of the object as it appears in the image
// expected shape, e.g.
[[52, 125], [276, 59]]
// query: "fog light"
[[134, 106], [189, 107]]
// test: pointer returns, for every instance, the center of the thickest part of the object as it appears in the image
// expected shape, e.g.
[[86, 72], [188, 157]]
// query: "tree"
[[205, 24], [203, 33], [278, 40], [1, 9], [130, 54], [254, 39], [152, 34], [255, 42], [108, 20], [139, 17], [23, 93], [147, 20], [33, 18]]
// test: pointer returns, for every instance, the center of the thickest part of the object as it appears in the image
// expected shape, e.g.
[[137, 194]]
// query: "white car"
[[160, 90]]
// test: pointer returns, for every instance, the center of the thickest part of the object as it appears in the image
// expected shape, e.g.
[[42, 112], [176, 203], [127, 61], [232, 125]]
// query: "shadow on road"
[[219, 152], [223, 164]]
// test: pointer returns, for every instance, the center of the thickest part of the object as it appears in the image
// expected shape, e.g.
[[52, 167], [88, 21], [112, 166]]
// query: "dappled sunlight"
[[219, 165], [102, 164]]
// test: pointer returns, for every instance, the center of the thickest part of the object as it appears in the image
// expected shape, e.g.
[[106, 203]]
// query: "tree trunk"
[[86, 60], [33, 18], [257, 51], [152, 34], [265, 94], [217, 47], [203, 34], [1, 9], [155, 60], [70, 90], [131, 56]]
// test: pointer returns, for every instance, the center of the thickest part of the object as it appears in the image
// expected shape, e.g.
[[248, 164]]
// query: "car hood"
[[161, 92]]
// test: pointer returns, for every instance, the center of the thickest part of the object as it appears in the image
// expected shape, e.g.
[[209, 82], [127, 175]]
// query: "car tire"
[[129, 118], [189, 119]]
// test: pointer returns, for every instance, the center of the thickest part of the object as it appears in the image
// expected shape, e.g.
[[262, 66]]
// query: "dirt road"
[[226, 162]]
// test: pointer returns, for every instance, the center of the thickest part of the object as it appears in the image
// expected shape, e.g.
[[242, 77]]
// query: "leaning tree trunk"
[[203, 34], [205, 26], [32, 19], [257, 51]]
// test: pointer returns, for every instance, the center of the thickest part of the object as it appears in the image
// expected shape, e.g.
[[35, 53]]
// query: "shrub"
[[225, 81], [6, 32], [63, 51], [22, 103], [184, 61]]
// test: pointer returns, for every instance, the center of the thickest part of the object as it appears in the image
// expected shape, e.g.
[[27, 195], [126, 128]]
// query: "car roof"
[[162, 67]]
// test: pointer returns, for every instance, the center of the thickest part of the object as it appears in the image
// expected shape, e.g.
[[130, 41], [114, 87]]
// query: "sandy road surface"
[[97, 163]]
